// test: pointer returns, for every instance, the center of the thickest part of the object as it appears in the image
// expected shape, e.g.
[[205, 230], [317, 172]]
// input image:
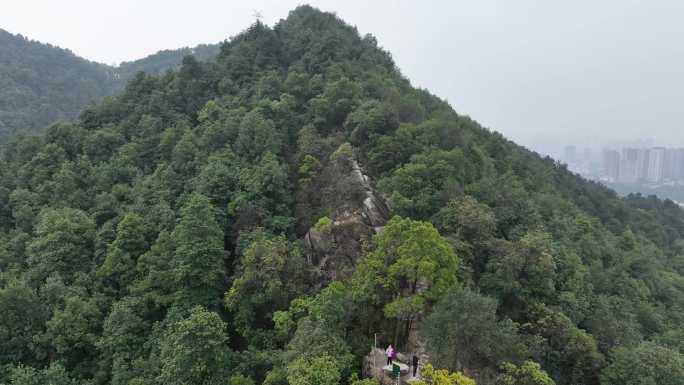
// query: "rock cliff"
[[355, 215]]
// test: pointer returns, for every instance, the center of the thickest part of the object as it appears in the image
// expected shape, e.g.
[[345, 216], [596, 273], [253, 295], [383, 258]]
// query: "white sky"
[[545, 73]]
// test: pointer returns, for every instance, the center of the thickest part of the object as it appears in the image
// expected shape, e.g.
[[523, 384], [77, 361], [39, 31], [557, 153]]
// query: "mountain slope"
[[263, 217], [165, 60], [40, 83]]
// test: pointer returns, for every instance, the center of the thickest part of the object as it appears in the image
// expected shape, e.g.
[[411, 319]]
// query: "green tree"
[[420, 187], [323, 327], [219, 180], [63, 243], [195, 351], [71, 335], [118, 268], [198, 264], [54, 374], [431, 376], [410, 266], [100, 145], [472, 225], [240, 379], [523, 271], [24, 205], [569, 354], [157, 280], [613, 322], [370, 120], [184, 158], [269, 275], [464, 332], [123, 338], [321, 370], [22, 316], [648, 363], [529, 373], [257, 136], [264, 197], [337, 100]]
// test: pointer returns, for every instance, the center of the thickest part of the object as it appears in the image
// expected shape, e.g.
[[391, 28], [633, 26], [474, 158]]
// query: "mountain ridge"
[[35, 94], [212, 224]]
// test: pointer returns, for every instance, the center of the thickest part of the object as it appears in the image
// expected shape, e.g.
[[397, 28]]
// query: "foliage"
[[649, 363], [198, 187], [42, 83], [198, 262], [463, 331], [269, 276], [195, 350], [63, 243], [317, 371], [409, 259], [22, 316], [54, 375], [323, 225], [71, 335], [529, 373], [431, 376]]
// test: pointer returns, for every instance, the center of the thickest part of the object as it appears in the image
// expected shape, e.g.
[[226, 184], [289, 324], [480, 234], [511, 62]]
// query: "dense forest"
[[265, 217], [40, 83]]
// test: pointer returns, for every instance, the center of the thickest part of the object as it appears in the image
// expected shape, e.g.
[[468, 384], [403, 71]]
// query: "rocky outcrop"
[[334, 250], [375, 210]]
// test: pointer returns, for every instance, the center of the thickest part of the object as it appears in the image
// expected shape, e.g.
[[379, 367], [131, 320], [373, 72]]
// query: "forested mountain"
[[40, 83], [163, 61], [260, 218]]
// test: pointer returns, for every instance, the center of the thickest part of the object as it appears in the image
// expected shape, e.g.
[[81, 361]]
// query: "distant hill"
[[41, 83], [162, 61]]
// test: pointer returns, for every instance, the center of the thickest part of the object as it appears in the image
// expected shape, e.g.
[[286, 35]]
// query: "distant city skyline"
[[626, 164], [557, 150]]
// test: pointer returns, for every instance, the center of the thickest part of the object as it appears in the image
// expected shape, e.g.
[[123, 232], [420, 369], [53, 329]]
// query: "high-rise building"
[[642, 163], [585, 161], [629, 165], [656, 163], [669, 164], [611, 165], [678, 164]]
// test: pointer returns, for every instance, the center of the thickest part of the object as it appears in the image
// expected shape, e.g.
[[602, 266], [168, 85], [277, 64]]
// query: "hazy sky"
[[544, 73]]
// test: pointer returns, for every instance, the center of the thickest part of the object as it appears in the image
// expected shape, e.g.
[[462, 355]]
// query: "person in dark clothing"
[[415, 364]]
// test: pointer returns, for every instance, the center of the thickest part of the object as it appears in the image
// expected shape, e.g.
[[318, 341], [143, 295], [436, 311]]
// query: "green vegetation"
[[162, 238], [41, 83], [323, 225], [431, 376]]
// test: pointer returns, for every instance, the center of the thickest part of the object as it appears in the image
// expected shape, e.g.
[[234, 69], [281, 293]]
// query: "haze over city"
[[545, 74]]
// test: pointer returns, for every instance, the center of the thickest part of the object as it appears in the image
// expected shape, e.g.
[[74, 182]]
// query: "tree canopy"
[[263, 216]]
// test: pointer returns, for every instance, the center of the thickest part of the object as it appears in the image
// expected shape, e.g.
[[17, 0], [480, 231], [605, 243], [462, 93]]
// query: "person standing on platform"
[[415, 364], [390, 354]]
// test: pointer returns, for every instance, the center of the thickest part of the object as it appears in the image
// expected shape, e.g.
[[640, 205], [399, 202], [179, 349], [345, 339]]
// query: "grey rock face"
[[335, 250]]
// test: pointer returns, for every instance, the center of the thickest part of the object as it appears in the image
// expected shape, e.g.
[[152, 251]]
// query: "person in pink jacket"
[[390, 354]]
